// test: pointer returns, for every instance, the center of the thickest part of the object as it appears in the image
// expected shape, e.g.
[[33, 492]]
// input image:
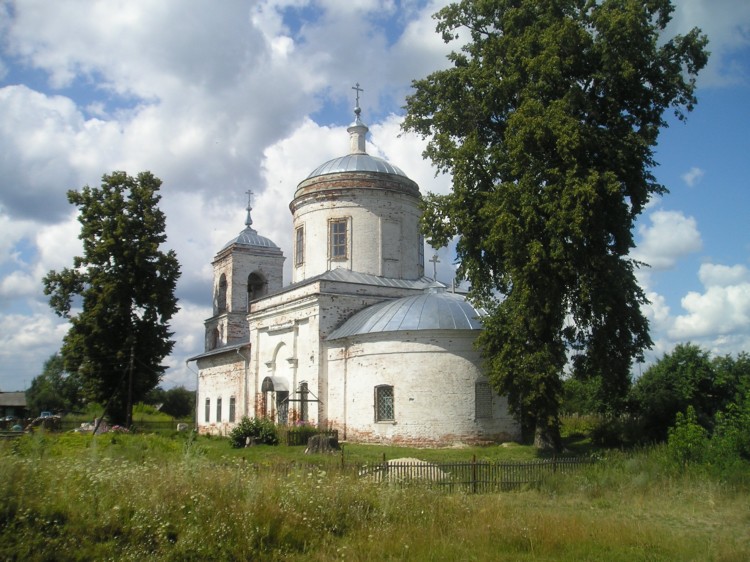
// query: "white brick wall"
[[383, 225], [433, 375]]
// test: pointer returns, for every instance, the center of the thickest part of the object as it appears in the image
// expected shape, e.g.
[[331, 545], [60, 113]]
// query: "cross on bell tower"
[[249, 219]]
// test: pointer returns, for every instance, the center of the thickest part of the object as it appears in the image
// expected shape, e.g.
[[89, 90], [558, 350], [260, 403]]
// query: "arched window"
[[221, 298], [215, 339], [256, 286]]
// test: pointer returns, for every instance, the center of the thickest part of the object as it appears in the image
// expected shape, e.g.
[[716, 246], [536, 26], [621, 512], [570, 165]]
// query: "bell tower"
[[247, 268]]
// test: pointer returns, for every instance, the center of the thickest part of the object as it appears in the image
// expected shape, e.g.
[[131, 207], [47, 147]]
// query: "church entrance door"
[[276, 398]]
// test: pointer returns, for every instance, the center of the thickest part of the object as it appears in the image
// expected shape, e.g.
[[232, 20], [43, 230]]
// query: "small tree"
[[688, 440], [680, 379], [179, 402], [54, 389], [125, 283]]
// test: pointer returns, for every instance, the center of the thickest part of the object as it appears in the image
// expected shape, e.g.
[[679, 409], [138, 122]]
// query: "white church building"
[[360, 341]]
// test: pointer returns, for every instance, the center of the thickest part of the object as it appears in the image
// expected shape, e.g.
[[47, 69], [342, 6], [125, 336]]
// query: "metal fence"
[[471, 476]]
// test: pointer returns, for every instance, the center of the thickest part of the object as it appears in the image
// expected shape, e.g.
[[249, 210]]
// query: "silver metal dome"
[[249, 237], [356, 163], [427, 311]]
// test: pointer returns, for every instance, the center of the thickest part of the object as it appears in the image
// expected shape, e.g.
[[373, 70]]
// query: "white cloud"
[[693, 176], [670, 237], [717, 311], [722, 309], [657, 311], [727, 25], [716, 275], [26, 341]]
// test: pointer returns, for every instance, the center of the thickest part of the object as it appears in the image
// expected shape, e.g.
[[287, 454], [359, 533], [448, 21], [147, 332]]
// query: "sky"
[[217, 98]]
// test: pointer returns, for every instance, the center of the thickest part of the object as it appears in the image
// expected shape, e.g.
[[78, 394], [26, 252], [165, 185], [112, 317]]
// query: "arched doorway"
[[275, 392]]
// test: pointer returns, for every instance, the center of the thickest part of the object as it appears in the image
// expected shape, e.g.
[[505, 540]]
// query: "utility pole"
[[129, 413]]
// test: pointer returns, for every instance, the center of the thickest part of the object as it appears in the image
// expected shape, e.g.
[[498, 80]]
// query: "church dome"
[[427, 311], [250, 237], [374, 208], [356, 163], [357, 160]]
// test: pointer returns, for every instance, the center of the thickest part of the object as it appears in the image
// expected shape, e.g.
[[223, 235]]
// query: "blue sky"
[[219, 97]]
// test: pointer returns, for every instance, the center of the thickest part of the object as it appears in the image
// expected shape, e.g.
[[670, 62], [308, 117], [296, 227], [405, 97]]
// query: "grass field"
[[145, 497]]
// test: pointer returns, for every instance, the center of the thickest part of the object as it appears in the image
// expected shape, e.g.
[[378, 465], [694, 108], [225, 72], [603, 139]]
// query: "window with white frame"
[[218, 410], [232, 408], [299, 245], [384, 410], [208, 409], [337, 239]]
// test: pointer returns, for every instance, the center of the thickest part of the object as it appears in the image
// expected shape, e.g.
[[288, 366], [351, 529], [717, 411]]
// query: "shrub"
[[688, 440], [617, 431], [259, 430], [731, 437]]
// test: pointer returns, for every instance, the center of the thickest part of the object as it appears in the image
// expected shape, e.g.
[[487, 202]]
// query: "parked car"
[[45, 415]]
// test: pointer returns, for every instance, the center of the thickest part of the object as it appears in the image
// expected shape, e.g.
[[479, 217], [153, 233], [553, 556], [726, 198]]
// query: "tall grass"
[[139, 497]]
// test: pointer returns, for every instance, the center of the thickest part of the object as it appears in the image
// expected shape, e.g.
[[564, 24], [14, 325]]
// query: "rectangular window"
[[299, 246], [482, 400], [218, 410], [232, 407], [208, 409], [337, 246], [384, 403]]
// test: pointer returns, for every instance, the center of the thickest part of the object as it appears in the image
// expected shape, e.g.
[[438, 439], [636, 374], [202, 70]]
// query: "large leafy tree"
[[547, 121], [123, 292]]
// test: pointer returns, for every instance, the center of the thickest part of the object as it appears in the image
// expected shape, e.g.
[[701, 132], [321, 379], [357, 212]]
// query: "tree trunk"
[[547, 437]]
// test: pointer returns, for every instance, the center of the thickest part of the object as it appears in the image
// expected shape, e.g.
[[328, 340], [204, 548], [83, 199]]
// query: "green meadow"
[[181, 497]]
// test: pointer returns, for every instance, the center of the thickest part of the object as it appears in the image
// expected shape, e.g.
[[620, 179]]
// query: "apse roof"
[[426, 311]]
